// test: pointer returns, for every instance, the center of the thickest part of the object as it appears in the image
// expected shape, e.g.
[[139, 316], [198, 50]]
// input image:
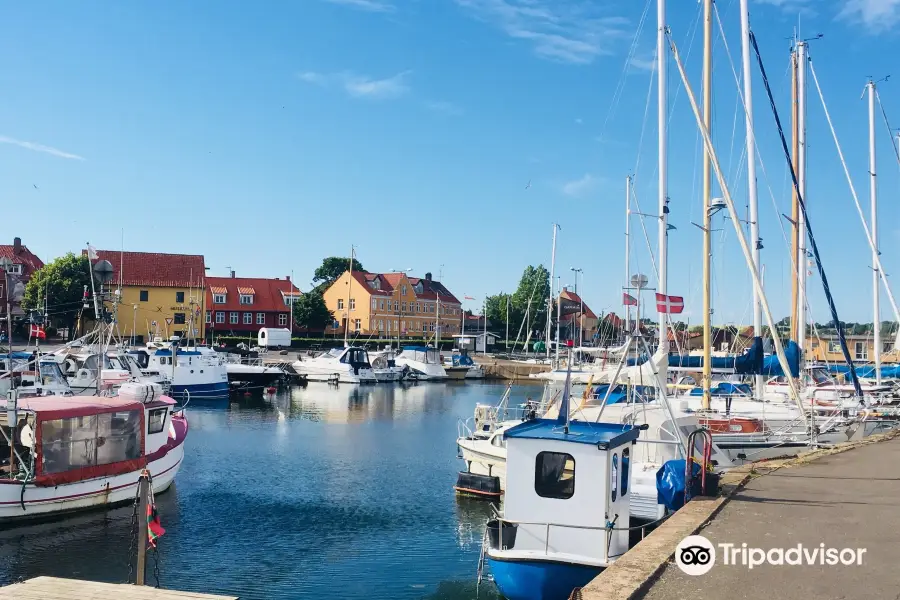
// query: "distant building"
[[826, 347], [160, 292], [583, 319], [391, 305], [243, 305], [23, 264]]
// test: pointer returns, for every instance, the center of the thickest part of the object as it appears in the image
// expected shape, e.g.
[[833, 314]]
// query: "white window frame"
[[15, 269], [248, 318], [357, 325], [381, 304], [834, 346], [424, 326], [340, 304], [208, 316], [218, 298], [857, 355], [234, 318], [352, 303], [374, 303], [403, 290], [260, 318], [220, 316], [246, 299], [282, 319]]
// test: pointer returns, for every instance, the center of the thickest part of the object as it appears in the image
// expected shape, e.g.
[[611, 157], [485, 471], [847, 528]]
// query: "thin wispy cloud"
[[643, 63], [445, 108], [361, 86], [804, 7], [368, 5], [580, 187], [39, 148], [874, 15], [579, 121], [568, 31]]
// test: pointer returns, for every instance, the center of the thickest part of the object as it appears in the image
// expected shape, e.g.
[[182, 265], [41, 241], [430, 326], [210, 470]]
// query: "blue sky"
[[269, 135]]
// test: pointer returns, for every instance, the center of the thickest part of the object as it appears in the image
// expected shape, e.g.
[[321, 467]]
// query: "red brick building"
[[243, 305]]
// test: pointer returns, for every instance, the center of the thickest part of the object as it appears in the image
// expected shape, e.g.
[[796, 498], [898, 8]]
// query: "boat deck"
[[55, 588]]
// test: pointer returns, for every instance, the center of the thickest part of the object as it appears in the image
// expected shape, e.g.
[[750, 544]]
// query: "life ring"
[[83, 374]]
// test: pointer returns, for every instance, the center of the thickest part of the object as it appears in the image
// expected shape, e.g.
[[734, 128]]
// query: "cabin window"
[[156, 420], [861, 351], [283, 319], [233, 318], [260, 318], [614, 477], [554, 475], [246, 298], [208, 316], [218, 298], [145, 295], [625, 464], [248, 318], [179, 297], [220, 317], [91, 440], [179, 319], [340, 304]]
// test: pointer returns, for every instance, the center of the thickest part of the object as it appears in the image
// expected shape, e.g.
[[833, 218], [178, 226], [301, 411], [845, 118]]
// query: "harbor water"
[[309, 493]]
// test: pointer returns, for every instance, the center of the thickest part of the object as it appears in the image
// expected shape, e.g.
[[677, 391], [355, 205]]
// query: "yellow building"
[[388, 305], [160, 293], [862, 348]]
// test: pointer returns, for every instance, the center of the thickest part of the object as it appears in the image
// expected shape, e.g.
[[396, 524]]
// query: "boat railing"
[[546, 525]]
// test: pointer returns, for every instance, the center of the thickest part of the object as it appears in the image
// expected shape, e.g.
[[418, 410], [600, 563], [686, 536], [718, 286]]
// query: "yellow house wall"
[[410, 318], [818, 351], [160, 305]]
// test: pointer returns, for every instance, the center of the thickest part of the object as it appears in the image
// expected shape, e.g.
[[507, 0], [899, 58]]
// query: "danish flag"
[[669, 304]]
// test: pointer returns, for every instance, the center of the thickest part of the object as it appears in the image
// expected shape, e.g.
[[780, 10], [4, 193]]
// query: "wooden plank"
[[56, 588]]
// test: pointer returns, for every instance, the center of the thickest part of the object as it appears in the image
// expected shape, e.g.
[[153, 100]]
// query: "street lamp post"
[[580, 307]]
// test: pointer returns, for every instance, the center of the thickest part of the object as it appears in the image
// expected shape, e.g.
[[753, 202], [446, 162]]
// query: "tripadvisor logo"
[[696, 555]]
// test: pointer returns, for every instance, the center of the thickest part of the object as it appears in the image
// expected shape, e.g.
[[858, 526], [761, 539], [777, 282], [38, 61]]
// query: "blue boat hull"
[[208, 391], [539, 580]]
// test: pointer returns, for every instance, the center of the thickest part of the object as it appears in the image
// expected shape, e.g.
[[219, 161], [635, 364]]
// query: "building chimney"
[[17, 246], [232, 274], [287, 277], [427, 276]]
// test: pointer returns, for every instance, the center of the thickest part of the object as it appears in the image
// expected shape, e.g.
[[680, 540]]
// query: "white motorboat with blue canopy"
[[566, 511], [424, 362], [338, 365]]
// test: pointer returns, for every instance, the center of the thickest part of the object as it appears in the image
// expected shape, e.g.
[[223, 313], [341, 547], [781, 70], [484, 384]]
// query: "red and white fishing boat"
[[83, 452]]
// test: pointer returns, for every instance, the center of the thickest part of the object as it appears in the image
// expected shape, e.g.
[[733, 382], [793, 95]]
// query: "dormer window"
[[246, 298], [14, 269], [419, 288], [218, 294], [246, 295], [219, 298]]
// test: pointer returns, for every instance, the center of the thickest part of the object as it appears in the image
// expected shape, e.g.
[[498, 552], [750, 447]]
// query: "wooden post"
[[144, 491]]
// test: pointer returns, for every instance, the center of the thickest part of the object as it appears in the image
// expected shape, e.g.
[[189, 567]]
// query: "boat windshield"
[[51, 374], [819, 376], [335, 352]]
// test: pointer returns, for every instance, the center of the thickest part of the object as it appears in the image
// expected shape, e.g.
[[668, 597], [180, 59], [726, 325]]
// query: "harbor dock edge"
[[631, 577]]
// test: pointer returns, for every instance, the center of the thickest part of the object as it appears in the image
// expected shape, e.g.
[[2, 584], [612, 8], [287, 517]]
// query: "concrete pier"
[[499, 368], [844, 497], [55, 588]]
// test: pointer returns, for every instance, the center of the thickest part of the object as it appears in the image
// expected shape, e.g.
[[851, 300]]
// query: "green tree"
[[332, 268], [61, 282], [534, 285], [311, 312]]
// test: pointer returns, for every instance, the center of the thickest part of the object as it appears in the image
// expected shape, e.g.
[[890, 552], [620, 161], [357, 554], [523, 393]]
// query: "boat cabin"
[[567, 487], [65, 440]]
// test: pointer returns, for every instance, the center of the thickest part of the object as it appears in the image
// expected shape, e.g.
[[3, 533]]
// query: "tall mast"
[[662, 122], [801, 183], [876, 289], [795, 204], [628, 246], [707, 192], [349, 288], [751, 176], [550, 297]]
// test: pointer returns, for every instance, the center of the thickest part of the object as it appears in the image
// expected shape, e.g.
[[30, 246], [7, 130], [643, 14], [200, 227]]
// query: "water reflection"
[[307, 493]]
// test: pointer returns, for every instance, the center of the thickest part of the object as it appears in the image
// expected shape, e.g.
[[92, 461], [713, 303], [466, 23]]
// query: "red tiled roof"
[[156, 269], [430, 288], [575, 298], [268, 294], [25, 257]]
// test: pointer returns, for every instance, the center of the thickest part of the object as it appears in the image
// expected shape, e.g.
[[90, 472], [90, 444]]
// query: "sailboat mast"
[[707, 192], [627, 247], [550, 297], [801, 183], [662, 169], [876, 290], [751, 175], [795, 204], [349, 289]]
